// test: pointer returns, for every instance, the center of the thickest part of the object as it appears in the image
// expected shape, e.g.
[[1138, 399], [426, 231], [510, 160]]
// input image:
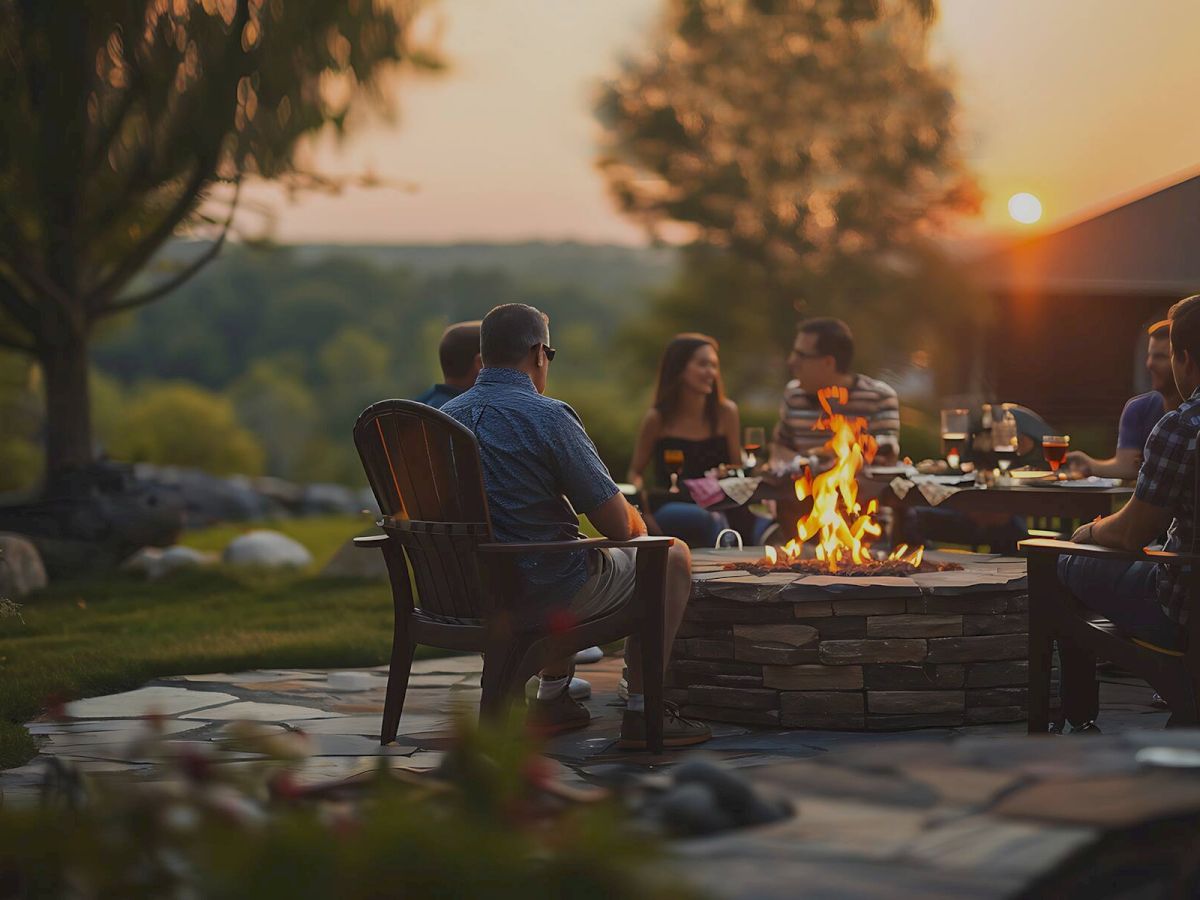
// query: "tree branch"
[[9, 343], [98, 302], [170, 284]]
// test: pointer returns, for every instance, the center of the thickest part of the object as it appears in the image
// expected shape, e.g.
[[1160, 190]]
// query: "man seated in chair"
[[458, 354], [1143, 599], [1140, 414], [539, 468]]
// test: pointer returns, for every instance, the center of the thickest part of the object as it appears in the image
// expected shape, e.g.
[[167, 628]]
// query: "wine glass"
[[1004, 441], [1054, 448], [673, 458], [955, 428], [752, 441]]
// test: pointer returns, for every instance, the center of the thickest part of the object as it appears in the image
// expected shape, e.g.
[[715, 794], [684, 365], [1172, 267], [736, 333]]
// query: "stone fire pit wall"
[[880, 654]]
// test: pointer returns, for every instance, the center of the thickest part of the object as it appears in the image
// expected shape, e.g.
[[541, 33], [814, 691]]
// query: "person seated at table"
[[1140, 415], [458, 353], [999, 532], [539, 467], [1145, 599], [690, 415], [821, 356]]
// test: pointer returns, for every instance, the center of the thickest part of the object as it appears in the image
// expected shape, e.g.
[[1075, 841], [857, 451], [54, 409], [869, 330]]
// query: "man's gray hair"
[[510, 331]]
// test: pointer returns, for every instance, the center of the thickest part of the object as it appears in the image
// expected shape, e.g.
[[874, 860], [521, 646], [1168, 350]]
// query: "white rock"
[[266, 549], [347, 682], [589, 656], [21, 568], [180, 557]]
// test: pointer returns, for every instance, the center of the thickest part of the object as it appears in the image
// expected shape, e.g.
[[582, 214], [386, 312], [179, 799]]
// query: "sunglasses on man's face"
[[550, 351]]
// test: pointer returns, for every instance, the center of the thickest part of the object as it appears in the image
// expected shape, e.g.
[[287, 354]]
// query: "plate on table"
[[1030, 474], [1092, 482]]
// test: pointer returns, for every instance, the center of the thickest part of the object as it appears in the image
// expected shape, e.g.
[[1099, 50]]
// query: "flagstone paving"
[[108, 734], [964, 811]]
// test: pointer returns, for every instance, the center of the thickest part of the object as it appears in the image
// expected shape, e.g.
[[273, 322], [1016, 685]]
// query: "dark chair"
[[454, 587], [1083, 637]]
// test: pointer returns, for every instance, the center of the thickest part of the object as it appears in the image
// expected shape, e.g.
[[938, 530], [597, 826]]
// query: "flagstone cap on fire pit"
[[872, 651]]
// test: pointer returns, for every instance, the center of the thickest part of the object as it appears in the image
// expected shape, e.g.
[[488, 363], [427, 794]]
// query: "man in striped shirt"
[[821, 357]]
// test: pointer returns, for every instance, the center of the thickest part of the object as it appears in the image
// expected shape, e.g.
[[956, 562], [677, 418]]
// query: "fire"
[[839, 527]]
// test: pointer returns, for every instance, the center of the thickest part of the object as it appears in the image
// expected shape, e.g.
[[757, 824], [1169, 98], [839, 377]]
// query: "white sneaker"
[[589, 656], [579, 689], [623, 684]]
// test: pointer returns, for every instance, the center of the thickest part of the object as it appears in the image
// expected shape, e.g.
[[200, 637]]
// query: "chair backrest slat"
[[424, 470]]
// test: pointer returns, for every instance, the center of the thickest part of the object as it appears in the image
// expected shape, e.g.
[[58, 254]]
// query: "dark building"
[[1068, 336]]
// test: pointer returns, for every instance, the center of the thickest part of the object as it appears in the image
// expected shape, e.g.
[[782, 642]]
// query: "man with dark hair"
[[821, 357], [540, 468], [459, 355], [1141, 413], [1145, 599]]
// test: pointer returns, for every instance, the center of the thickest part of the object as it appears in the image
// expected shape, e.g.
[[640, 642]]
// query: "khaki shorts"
[[609, 586]]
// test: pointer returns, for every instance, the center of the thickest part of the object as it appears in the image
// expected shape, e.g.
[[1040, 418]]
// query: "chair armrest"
[[370, 541], [1042, 546], [648, 542]]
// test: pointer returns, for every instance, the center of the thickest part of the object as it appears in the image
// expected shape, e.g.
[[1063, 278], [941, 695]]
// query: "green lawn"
[[112, 634]]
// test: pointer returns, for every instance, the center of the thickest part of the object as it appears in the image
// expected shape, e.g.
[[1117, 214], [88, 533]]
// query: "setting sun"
[[1025, 208]]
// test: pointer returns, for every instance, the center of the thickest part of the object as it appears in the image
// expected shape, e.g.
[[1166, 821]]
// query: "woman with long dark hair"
[[691, 416]]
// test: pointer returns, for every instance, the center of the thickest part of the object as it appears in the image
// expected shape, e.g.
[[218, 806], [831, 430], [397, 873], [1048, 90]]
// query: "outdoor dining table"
[[1049, 501]]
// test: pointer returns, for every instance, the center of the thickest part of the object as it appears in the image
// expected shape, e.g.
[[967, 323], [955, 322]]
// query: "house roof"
[[1149, 246]]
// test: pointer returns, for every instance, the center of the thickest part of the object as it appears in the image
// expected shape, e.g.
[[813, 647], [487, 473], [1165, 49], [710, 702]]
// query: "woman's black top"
[[698, 457]]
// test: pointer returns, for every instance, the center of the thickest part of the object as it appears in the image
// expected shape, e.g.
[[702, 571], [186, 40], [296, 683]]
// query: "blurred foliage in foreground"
[[493, 823]]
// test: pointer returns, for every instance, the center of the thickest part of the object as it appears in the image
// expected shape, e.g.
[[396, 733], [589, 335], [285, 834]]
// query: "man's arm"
[[1134, 526], [617, 520], [1123, 465]]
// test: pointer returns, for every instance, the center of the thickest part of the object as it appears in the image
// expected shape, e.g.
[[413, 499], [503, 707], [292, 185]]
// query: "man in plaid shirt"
[[1146, 599]]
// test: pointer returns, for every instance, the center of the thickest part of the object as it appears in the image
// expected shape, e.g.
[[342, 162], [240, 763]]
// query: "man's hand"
[[637, 525], [1080, 462], [1083, 534]]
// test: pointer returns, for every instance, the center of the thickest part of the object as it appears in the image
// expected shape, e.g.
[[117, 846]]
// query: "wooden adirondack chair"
[[454, 587], [1083, 637]]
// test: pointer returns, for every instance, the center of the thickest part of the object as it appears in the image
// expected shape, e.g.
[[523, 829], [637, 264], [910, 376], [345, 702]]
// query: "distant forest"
[[299, 339]]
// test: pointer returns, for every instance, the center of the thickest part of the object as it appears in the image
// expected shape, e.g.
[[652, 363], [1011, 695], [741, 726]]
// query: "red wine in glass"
[[1054, 448]]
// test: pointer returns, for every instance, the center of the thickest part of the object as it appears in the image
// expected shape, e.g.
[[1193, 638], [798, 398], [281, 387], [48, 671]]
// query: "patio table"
[[1068, 504]]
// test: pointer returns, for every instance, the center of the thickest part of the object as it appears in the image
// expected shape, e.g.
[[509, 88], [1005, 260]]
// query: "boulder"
[[329, 499], [356, 562], [155, 563], [21, 569], [266, 549]]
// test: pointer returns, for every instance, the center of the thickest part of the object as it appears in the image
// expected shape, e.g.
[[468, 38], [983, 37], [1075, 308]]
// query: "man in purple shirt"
[[1140, 415]]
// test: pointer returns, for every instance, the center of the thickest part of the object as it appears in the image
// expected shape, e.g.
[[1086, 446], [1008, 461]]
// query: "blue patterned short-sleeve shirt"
[[539, 468], [1167, 479]]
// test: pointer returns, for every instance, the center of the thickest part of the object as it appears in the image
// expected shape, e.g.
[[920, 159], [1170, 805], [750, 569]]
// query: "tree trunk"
[[68, 408]]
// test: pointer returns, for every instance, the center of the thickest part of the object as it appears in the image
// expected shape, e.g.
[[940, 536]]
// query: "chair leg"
[[500, 664], [1080, 687], [1043, 591], [652, 584], [399, 670]]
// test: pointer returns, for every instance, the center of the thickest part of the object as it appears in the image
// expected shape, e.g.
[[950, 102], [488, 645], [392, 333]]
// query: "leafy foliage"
[[124, 117], [492, 825], [788, 132], [185, 425]]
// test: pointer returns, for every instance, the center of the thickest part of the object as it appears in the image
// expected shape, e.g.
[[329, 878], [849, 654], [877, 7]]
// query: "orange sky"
[[1076, 101]]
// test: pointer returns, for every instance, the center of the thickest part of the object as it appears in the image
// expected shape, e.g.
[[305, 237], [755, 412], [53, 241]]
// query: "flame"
[[840, 529]]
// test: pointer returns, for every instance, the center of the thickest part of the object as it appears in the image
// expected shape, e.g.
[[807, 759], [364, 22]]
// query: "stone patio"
[[102, 734], [915, 812]]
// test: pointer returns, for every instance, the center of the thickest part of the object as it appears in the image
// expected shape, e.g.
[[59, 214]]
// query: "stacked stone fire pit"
[[867, 653]]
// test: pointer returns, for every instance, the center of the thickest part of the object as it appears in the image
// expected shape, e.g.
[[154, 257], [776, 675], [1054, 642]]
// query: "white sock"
[[549, 688], [636, 703]]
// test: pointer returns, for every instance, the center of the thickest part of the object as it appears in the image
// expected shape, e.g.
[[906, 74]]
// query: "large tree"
[[126, 120], [803, 147]]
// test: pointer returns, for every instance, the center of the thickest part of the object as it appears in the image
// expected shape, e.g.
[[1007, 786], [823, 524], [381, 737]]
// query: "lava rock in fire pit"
[[849, 570]]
